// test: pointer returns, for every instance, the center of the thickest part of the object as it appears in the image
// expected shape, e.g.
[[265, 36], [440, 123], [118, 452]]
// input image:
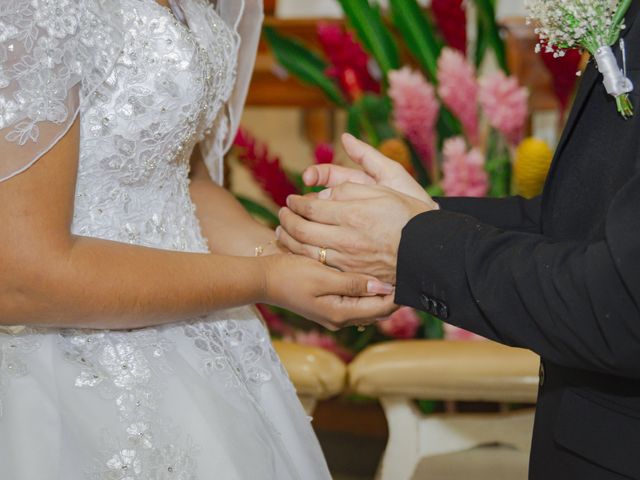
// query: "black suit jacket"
[[559, 275]]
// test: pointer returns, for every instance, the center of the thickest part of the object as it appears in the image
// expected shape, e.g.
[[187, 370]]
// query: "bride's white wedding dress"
[[198, 399]]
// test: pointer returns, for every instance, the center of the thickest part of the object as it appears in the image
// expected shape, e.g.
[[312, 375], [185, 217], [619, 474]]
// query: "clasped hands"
[[355, 224]]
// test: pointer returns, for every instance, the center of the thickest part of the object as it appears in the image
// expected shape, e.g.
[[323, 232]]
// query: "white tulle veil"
[[55, 54]]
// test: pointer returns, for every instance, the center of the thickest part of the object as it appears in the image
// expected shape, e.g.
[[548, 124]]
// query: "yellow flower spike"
[[397, 150], [533, 159]]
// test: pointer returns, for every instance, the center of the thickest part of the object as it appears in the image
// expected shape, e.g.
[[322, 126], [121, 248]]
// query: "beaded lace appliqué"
[[129, 369], [237, 352], [57, 42]]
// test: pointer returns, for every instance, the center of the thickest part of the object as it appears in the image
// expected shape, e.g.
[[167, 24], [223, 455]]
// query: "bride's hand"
[[377, 170], [324, 295]]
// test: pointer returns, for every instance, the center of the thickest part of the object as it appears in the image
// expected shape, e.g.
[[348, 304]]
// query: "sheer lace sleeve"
[[53, 55], [244, 17]]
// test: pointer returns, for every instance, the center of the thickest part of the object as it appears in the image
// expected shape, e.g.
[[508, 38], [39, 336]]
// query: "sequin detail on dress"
[[130, 369]]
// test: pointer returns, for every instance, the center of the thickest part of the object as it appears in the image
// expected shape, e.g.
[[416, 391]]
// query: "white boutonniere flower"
[[594, 25]]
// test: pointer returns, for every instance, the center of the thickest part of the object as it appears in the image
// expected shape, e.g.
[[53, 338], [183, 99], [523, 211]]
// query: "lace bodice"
[[140, 126], [147, 87]]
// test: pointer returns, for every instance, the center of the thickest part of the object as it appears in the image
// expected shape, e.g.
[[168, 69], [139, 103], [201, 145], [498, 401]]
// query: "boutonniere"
[[594, 25]]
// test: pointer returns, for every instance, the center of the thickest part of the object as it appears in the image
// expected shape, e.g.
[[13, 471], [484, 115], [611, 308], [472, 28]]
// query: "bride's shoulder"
[[53, 53]]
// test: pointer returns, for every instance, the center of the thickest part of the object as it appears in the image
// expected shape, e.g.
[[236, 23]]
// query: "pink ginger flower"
[[456, 333], [324, 153], [458, 90], [403, 324], [505, 103], [415, 111], [314, 338], [464, 173]]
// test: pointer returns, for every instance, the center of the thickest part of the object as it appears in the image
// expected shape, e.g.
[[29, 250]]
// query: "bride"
[[128, 267]]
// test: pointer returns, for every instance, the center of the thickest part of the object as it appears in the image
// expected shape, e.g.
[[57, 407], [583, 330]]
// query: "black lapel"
[[589, 81]]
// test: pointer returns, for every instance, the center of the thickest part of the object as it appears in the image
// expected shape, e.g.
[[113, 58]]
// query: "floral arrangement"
[[458, 133], [593, 25]]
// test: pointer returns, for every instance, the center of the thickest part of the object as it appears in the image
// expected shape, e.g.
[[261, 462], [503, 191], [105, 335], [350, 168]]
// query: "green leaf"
[[618, 18], [418, 33], [366, 20], [259, 211], [427, 407], [364, 339], [482, 44], [353, 121], [376, 109], [421, 172], [487, 15], [498, 166], [499, 169], [433, 327], [370, 116], [435, 190], [448, 125], [304, 64]]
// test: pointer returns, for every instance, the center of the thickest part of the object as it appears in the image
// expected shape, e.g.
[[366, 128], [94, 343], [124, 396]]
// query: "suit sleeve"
[[513, 213], [576, 304]]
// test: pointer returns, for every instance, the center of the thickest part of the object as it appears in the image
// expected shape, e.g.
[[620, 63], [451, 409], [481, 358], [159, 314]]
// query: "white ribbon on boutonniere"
[[593, 25]]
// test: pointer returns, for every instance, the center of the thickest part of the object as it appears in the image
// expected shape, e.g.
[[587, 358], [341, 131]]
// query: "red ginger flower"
[[266, 169], [563, 74], [451, 18], [349, 62], [275, 323], [324, 153]]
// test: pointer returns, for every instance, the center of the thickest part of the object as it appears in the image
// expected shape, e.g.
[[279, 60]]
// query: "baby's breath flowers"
[[594, 25]]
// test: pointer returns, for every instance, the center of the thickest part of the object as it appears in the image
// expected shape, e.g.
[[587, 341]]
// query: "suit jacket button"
[[443, 311], [542, 373], [426, 303], [433, 307]]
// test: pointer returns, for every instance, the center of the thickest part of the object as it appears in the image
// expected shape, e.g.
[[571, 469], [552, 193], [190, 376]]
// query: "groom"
[[559, 274]]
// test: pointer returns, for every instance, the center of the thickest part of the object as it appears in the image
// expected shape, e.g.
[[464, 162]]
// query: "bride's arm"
[[50, 277], [225, 223]]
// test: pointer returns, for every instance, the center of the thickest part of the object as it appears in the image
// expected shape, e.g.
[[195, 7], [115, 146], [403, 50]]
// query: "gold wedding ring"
[[322, 255]]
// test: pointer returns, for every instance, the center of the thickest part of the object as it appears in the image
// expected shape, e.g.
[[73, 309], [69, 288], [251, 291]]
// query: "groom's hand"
[[359, 225], [376, 170]]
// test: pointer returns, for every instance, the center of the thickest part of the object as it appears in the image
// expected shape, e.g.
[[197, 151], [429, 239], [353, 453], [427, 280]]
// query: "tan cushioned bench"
[[315, 372], [446, 370]]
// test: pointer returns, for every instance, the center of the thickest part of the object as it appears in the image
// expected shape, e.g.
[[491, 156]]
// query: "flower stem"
[[625, 107], [618, 18]]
